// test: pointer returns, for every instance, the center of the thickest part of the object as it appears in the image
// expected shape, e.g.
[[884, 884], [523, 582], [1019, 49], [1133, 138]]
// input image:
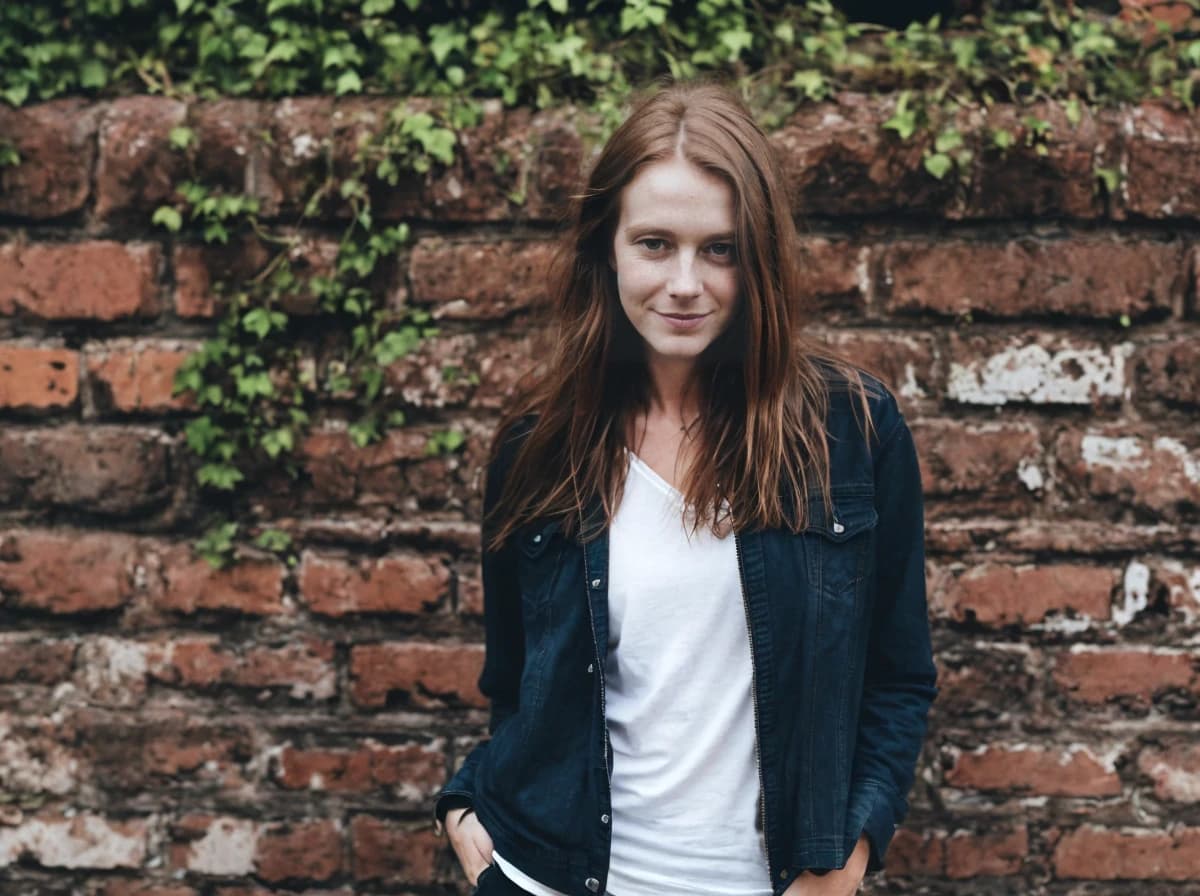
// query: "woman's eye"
[[721, 250], [652, 244]]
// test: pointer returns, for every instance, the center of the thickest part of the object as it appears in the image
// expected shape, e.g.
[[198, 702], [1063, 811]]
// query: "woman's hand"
[[471, 842], [839, 882]]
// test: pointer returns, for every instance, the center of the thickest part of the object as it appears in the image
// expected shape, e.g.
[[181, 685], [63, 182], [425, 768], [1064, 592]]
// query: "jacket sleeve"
[[504, 656], [900, 676]]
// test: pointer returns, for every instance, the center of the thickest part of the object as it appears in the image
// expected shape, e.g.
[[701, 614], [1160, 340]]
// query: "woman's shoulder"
[[849, 388]]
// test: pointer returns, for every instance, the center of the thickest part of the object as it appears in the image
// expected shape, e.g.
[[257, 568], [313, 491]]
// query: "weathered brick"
[[138, 169], [305, 668], [385, 849], [109, 470], [67, 572], [1161, 167], [1088, 278], [217, 845], [57, 145], [191, 584], [461, 368], [995, 459], [999, 594], [111, 672], [231, 149], [1096, 853], [991, 853], [31, 657], [36, 760], [96, 280], [305, 849], [195, 266], [120, 887], [1075, 771], [985, 684], [470, 592], [473, 281], [33, 377], [412, 772], [137, 376], [83, 840], [1149, 470], [906, 362], [424, 675], [1096, 675], [1170, 371], [335, 586], [1175, 770], [838, 160], [834, 273], [1041, 368], [911, 854]]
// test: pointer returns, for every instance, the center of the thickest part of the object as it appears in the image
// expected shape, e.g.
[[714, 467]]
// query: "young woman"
[[708, 656]]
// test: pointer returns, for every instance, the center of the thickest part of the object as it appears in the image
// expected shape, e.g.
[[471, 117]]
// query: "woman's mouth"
[[683, 321]]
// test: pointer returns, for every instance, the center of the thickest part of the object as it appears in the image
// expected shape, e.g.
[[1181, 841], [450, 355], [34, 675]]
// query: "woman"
[[708, 656]]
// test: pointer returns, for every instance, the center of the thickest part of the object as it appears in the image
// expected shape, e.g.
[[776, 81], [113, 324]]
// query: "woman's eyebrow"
[[638, 229]]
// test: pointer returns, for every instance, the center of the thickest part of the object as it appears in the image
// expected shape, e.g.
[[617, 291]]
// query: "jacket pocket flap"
[[851, 516], [535, 537]]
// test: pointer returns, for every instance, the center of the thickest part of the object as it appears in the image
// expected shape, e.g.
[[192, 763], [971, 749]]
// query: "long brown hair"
[[764, 384]]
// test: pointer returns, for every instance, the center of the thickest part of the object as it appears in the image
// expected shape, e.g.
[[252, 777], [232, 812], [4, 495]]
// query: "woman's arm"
[[900, 675]]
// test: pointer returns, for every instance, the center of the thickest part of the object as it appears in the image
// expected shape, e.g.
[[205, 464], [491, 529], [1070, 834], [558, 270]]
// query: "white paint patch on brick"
[[1035, 374], [321, 689], [1136, 593], [113, 671], [304, 146], [1031, 474], [33, 764], [227, 848], [1067, 625], [84, 841], [1176, 783], [1115, 453]]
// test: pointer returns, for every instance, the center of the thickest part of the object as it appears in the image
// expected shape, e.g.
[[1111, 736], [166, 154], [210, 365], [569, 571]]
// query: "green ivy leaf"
[[349, 82], [181, 137], [938, 164], [168, 217]]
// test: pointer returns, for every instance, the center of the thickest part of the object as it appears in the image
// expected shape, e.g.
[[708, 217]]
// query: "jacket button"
[[592, 884], [591, 668], [783, 874], [604, 819], [838, 528], [537, 538], [595, 583]]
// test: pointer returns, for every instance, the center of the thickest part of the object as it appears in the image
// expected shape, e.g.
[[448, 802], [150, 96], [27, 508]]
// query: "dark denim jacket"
[[843, 672]]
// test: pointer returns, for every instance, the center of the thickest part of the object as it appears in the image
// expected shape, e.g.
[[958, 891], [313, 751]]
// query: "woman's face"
[[675, 260]]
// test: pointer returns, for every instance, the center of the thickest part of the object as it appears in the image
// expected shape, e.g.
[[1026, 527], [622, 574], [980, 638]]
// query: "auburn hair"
[[763, 383]]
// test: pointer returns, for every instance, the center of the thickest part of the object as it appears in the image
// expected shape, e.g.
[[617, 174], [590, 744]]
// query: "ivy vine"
[[256, 389]]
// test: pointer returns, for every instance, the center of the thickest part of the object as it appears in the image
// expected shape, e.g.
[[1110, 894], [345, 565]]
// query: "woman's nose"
[[685, 282]]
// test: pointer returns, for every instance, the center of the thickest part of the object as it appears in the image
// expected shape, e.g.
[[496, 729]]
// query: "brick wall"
[[170, 730]]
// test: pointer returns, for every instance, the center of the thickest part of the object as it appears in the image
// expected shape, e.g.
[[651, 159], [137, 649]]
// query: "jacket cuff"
[[872, 813], [447, 800]]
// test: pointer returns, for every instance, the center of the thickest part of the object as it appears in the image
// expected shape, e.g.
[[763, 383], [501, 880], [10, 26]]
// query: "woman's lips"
[[683, 321]]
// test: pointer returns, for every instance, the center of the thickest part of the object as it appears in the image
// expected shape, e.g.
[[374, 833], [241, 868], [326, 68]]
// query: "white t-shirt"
[[679, 708]]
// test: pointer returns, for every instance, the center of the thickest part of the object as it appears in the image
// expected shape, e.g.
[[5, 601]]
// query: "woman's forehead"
[[676, 193]]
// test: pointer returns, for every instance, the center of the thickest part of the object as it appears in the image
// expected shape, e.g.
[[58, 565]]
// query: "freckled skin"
[[673, 253]]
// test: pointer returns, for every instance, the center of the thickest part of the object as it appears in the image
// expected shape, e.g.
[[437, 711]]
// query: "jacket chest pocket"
[[840, 543], [539, 561]]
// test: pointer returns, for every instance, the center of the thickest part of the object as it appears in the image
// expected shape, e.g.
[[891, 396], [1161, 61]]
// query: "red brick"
[[333, 586], [996, 594], [461, 368], [197, 268], [991, 854], [1096, 853], [470, 593], [912, 854], [309, 849], [211, 844], [1092, 278], [191, 584], [57, 145], [96, 280], [978, 685], [1153, 471], [994, 459], [1175, 770], [1040, 368], [427, 675], [67, 572], [32, 658], [138, 170], [168, 749], [304, 668], [833, 273], [383, 849], [137, 376], [32, 377], [1170, 371], [1097, 675], [907, 363], [1050, 772], [1161, 166], [413, 772], [474, 281], [231, 149], [838, 160]]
